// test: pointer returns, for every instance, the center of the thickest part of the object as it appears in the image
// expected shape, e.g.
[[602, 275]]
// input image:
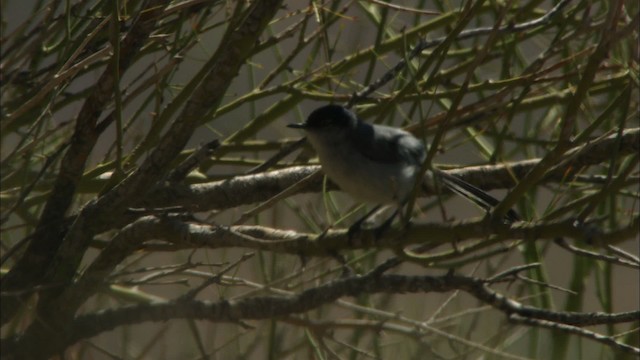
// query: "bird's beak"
[[298, 126]]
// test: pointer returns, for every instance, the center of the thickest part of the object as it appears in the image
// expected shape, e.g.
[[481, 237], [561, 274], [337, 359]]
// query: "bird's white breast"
[[361, 177]]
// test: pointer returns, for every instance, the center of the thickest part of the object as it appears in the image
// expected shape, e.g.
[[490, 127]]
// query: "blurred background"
[[498, 97]]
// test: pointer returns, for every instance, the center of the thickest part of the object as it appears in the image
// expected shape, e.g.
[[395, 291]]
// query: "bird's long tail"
[[473, 194]]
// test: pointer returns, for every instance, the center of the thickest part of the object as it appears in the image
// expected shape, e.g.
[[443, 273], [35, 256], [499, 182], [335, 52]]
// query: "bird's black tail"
[[473, 194]]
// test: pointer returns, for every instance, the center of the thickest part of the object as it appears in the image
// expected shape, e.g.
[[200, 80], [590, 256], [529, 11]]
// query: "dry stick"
[[281, 195], [278, 306], [606, 340], [183, 169]]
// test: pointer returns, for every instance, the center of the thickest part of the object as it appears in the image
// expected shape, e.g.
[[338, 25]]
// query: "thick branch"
[[188, 235], [99, 214], [224, 66], [50, 230], [249, 189], [269, 307]]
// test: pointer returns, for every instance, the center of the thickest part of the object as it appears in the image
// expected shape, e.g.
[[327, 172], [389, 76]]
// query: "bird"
[[378, 164]]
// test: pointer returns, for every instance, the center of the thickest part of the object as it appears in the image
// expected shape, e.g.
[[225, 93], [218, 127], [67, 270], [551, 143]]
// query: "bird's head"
[[328, 119]]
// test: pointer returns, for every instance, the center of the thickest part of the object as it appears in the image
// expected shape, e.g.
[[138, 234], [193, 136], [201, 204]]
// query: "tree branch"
[[248, 189], [270, 307]]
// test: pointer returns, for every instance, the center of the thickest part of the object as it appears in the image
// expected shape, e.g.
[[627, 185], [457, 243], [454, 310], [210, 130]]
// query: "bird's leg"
[[385, 225], [357, 226]]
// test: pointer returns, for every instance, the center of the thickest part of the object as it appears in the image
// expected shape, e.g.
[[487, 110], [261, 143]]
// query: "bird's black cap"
[[325, 116]]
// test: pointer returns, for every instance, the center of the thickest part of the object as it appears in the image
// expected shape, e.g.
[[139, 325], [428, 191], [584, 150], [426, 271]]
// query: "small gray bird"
[[375, 163]]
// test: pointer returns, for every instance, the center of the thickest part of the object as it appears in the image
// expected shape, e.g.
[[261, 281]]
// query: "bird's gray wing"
[[385, 144]]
